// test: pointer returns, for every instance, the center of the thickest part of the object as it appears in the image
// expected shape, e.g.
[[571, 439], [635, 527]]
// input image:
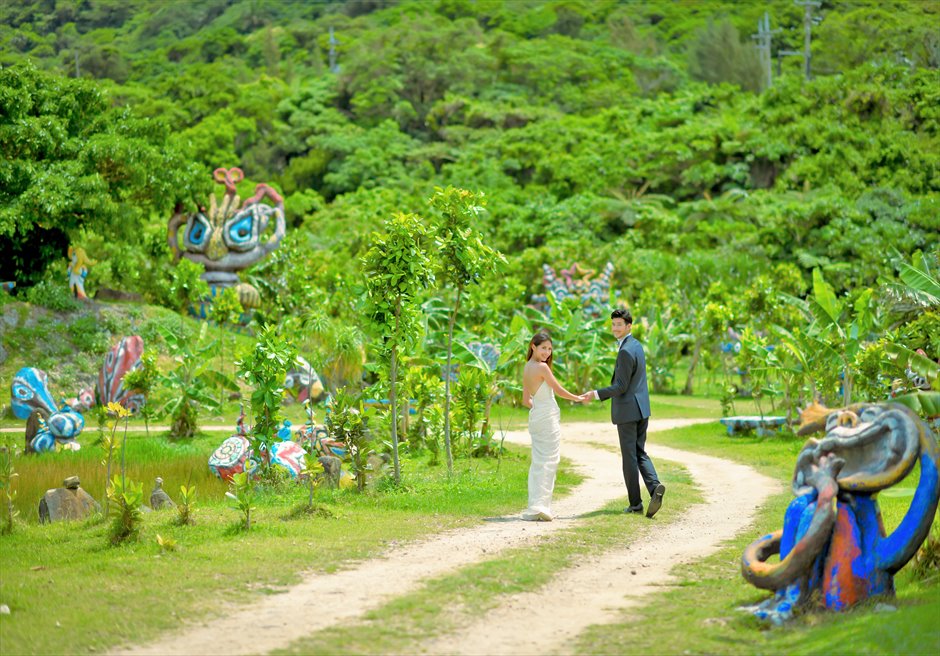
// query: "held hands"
[[587, 397]]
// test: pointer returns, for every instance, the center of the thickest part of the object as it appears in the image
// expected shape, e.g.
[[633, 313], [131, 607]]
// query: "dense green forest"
[[640, 133]]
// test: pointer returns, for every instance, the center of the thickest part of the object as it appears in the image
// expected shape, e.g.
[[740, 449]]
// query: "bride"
[[539, 387]]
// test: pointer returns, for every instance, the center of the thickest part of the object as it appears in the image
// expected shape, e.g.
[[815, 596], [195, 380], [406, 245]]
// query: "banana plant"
[[663, 341], [838, 328]]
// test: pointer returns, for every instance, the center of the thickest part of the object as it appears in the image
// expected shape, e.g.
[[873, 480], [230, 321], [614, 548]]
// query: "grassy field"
[[698, 616], [69, 592]]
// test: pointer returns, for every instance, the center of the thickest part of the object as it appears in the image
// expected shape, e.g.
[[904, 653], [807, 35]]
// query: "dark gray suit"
[[630, 410]]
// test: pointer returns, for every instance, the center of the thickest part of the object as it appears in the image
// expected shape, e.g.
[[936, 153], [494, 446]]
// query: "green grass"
[[69, 592], [449, 602], [701, 616], [178, 463]]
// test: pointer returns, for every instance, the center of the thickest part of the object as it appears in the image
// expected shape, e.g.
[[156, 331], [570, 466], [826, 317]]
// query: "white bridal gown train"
[[545, 430]]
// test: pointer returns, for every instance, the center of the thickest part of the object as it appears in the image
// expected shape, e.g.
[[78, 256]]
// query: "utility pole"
[[807, 26], [764, 37], [334, 67]]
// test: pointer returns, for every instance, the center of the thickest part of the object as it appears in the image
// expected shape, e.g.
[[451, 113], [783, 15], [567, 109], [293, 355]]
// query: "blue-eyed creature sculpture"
[[227, 237], [31, 398]]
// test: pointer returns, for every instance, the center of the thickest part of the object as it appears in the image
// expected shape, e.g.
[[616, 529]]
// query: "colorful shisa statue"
[[78, 271], [50, 424], [302, 383], [227, 237], [47, 423], [121, 360], [579, 282], [833, 540]]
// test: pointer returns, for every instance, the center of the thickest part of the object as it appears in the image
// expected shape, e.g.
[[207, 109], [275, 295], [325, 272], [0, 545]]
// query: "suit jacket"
[[629, 396]]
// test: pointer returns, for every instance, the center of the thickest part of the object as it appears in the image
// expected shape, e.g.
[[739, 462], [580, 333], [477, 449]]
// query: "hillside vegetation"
[[636, 133]]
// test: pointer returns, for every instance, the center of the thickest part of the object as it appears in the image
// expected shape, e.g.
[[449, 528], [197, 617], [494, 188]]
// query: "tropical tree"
[[396, 269], [72, 161], [225, 310], [463, 260], [191, 382], [265, 369]]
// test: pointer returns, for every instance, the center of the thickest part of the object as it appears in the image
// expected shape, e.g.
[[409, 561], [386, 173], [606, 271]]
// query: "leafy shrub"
[[347, 422], [7, 493], [184, 508], [242, 492], [52, 295], [126, 498]]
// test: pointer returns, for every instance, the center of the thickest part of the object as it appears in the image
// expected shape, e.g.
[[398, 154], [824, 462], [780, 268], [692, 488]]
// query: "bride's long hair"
[[537, 339]]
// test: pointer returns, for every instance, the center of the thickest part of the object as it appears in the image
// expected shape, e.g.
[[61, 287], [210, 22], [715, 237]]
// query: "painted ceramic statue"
[[302, 383], [121, 359], [594, 292], [78, 271], [60, 428], [227, 237], [30, 391], [833, 540]]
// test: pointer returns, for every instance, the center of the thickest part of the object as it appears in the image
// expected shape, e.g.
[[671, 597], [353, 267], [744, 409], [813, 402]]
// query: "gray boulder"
[[67, 503]]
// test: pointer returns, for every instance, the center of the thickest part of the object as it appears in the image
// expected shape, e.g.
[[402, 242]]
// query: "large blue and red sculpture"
[[833, 540], [227, 237]]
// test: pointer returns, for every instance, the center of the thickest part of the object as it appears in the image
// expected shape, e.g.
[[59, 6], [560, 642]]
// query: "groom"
[[630, 412]]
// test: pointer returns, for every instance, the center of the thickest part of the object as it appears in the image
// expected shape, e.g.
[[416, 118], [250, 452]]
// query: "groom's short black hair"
[[622, 314]]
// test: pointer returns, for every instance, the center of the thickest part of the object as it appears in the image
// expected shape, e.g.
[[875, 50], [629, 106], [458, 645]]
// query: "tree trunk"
[[486, 417], [450, 351], [393, 376], [696, 354]]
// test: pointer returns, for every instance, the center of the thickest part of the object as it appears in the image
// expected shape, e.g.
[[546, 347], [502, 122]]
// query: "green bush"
[[52, 295]]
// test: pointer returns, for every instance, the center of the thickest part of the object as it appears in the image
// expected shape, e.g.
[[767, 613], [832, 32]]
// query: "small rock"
[[4, 609], [633, 571], [71, 483], [885, 608]]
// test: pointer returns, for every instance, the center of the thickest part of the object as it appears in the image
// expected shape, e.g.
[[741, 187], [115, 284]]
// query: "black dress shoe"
[[634, 510], [656, 500]]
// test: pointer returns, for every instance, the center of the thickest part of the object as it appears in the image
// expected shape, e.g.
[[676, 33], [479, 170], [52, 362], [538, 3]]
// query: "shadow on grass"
[[303, 511]]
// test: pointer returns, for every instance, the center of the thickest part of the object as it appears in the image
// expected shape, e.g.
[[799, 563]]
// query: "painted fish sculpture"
[[120, 360], [29, 391]]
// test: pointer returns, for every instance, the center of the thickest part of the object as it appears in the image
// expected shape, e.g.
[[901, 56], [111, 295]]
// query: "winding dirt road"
[[732, 493]]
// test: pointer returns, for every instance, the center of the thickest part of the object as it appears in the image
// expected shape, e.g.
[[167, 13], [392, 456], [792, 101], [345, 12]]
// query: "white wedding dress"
[[545, 430]]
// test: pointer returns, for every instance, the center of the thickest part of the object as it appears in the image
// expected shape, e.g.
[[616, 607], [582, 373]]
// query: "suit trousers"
[[636, 462]]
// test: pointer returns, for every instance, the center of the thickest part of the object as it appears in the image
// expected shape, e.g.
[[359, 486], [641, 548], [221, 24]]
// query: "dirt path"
[[732, 493]]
